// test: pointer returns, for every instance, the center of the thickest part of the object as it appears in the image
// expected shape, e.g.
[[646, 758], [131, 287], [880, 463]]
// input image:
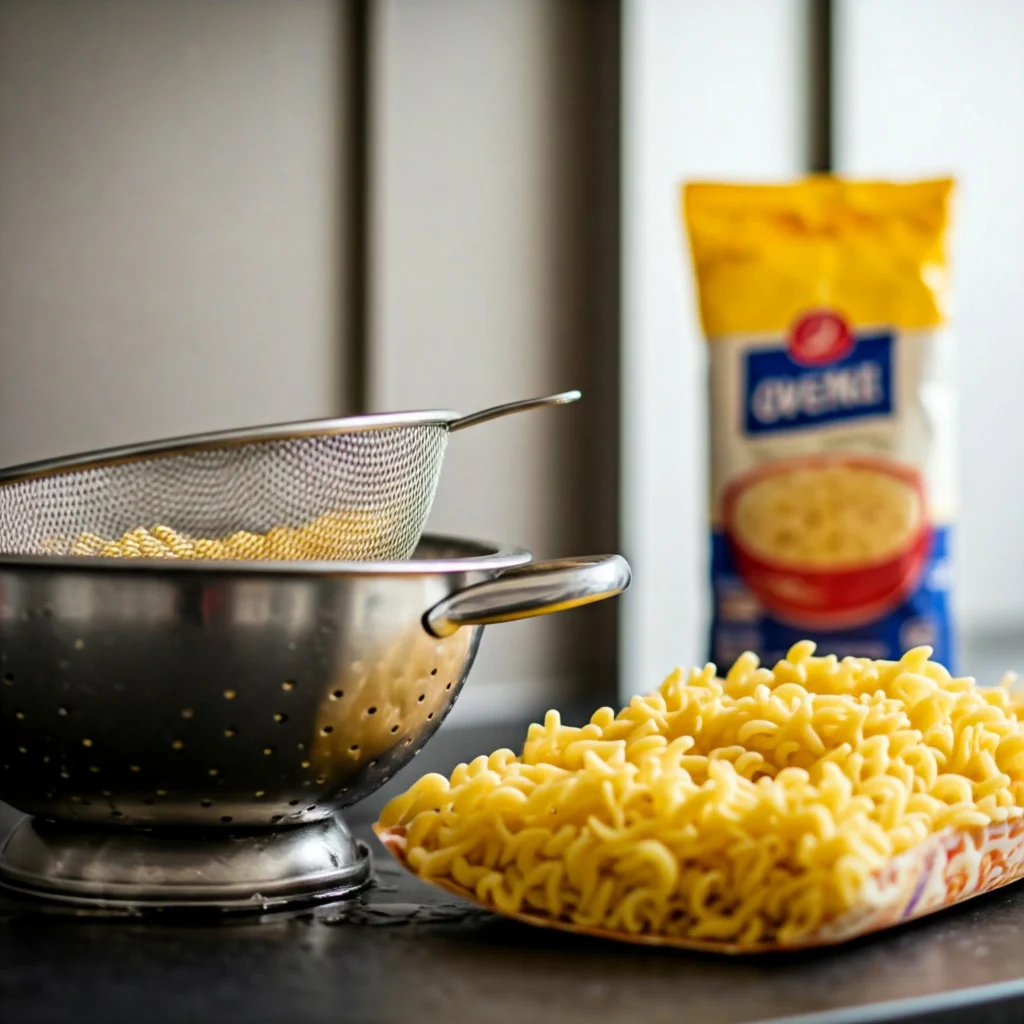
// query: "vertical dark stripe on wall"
[[588, 54], [820, 82], [603, 454], [356, 147]]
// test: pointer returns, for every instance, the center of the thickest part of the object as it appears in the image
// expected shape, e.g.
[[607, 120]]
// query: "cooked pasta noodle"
[[828, 516], [316, 540], [746, 809]]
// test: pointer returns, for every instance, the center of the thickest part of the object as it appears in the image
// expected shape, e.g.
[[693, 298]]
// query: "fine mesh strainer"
[[356, 489]]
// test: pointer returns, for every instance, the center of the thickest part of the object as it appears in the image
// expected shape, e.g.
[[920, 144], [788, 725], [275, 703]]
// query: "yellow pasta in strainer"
[[749, 809], [319, 539]]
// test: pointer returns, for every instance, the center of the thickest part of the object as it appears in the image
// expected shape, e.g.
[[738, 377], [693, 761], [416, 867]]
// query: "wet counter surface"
[[405, 952]]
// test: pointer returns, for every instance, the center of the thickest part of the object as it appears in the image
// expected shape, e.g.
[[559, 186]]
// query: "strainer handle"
[[497, 411], [536, 589]]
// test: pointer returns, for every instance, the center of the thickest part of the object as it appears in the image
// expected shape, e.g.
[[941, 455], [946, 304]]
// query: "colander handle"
[[536, 589]]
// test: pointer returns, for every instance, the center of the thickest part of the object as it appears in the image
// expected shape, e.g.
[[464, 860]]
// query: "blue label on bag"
[[922, 619], [783, 394]]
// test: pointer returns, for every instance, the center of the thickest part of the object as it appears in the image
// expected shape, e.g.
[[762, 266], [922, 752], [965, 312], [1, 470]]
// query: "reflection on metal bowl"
[[211, 699]]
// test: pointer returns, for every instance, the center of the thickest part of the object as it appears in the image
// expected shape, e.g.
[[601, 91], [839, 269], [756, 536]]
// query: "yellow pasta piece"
[[749, 809]]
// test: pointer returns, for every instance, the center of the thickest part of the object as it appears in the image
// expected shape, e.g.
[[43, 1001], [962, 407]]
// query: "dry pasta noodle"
[[318, 539], [828, 516], [748, 809]]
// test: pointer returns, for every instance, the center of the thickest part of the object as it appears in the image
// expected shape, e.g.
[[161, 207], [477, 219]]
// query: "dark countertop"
[[405, 952]]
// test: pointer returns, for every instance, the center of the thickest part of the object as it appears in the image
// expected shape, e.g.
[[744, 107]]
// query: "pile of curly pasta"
[[748, 809]]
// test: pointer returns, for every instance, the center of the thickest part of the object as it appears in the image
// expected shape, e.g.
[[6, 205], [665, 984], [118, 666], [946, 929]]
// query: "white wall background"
[[169, 218], [711, 90], [937, 86], [718, 90], [170, 210]]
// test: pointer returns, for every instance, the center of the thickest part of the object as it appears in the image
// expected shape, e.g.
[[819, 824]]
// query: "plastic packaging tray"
[[947, 868]]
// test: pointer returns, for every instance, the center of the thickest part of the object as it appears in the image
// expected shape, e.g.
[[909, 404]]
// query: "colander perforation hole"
[[187, 713], [275, 818], [421, 698], [230, 732], [8, 678], [288, 684], [394, 728], [293, 803], [433, 671], [337, 694], [226, 818], [205, 803], [327, 730], [371, 711], [22, 750], [63, 711], [230, 694], [280, 718]]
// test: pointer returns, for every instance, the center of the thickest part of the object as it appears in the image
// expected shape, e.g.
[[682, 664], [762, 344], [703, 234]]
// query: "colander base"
[[127, 870]]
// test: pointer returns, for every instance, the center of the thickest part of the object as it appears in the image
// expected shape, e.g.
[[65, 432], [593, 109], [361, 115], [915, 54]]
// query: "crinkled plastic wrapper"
[[947, 868], [832, 381]]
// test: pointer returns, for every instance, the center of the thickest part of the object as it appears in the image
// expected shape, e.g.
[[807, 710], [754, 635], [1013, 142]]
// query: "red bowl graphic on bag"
[[829, 541]]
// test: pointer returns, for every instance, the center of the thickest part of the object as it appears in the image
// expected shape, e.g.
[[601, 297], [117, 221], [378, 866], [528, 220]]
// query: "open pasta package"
[[780, 808]]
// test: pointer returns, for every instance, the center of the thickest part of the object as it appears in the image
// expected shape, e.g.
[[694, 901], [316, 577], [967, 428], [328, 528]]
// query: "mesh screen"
[[360, 496]]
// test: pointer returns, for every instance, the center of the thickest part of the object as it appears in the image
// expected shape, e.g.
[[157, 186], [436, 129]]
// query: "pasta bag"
[[823, 302]]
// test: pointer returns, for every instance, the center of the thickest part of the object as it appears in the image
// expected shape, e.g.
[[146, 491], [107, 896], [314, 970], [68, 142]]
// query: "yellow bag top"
[[874, 252]]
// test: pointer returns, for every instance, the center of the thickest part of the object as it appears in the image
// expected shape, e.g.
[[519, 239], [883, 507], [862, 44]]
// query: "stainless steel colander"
[[355, 489], [185, 733]]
